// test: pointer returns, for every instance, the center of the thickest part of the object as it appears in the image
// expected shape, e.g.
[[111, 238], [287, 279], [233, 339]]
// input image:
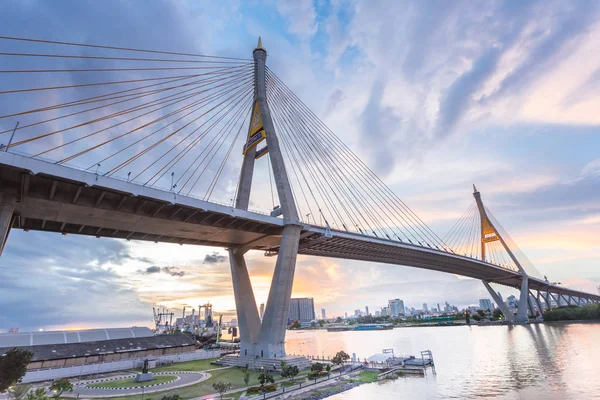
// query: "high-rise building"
[[447, 308], [323, 316], [396, 308], [384, 312], [425, 309], [367, 310], [262, 311], [346, 315], [357, 313], [511, 301], [486, 304], [377, 313], [302, 309], [438, 305]]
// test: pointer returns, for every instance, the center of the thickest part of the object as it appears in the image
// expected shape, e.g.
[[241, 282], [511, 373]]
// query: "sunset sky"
[[434, 96]]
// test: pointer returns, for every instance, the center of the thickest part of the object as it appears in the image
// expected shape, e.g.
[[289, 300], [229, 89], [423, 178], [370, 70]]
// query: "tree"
[[13, 366], [60, 386], [339, 320], [497, 314], [265, 377], [289, 371], [39, 394], [317, 367], [18, 391], [246, 372], [221, 387], [328, 368], [476, 317], [340, 358], [467, 317], [295, 325], [481, 313]]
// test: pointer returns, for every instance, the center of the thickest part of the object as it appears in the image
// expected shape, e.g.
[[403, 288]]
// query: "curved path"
[[184, 378]]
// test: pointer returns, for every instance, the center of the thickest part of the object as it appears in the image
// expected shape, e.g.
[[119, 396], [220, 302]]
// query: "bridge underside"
[[59, 199]]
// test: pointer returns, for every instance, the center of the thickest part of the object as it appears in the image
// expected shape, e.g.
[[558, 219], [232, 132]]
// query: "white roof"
[[64, 337], [379, 357]]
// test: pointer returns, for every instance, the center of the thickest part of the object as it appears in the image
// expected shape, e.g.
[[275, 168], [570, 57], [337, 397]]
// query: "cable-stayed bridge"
[[148, 145]]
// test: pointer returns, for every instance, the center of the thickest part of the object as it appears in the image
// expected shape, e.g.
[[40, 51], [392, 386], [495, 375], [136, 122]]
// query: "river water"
[[543, 361]]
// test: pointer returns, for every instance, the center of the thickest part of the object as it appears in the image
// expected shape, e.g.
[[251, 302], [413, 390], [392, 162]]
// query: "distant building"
[[233, 322], [511, 301], [302, 309], [384, 312], [396, 308], [425, 309], [447, 308], [367, 310], [262, 311], [346, 315], [486, 304], [357, 313], [323, 315], [377, 313]]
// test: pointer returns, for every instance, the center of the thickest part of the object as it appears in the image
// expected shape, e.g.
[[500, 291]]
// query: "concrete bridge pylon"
[[265, 339], [489, 234]]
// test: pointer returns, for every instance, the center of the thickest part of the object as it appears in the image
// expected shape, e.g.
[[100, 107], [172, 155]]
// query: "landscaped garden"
[[130, 382]]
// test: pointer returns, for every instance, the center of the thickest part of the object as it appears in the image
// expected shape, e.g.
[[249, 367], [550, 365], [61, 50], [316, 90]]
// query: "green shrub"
[[258, 389], [590, 312]]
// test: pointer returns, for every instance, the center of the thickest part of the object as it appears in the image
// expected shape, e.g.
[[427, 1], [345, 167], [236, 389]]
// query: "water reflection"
[[548, 361]]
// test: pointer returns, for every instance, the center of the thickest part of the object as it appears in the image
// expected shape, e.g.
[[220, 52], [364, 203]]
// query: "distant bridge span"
[[54, 198]]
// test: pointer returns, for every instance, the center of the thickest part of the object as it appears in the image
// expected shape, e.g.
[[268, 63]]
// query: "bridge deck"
[[56, 198]]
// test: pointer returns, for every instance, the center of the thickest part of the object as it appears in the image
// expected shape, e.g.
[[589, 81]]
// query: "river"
[[542, 361]]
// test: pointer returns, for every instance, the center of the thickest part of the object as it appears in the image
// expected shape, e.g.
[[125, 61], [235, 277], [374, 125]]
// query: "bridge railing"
[[122, 179]]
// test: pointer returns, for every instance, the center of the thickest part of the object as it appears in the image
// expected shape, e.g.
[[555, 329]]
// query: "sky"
[[433, 96]]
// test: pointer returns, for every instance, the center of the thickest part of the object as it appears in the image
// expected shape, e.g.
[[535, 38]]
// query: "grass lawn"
[[233, 375], [197, 365], [367, 377], [121, 383]]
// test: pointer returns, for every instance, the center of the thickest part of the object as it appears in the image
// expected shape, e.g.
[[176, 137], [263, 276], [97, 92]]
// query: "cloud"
[[301, 16], [214, 258], [173, 271]]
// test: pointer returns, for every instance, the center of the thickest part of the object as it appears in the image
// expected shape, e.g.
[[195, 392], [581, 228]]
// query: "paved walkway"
[[184, 378]]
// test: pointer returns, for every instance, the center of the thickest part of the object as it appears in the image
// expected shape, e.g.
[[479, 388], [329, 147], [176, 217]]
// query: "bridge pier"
[[245, 303], [508, 315], [522, 315], [271, 339]]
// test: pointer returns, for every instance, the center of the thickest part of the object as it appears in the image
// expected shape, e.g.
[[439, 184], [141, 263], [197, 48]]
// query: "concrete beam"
[[7, 210], [53, 190]]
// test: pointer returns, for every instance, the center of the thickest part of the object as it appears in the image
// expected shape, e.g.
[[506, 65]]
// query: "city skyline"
[[433, 106]]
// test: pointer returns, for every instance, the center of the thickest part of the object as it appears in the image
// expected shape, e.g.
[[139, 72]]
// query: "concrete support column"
[[7, 210], [523, 300], [508, 315], [271, 341], [547, 300], [247, 313]]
